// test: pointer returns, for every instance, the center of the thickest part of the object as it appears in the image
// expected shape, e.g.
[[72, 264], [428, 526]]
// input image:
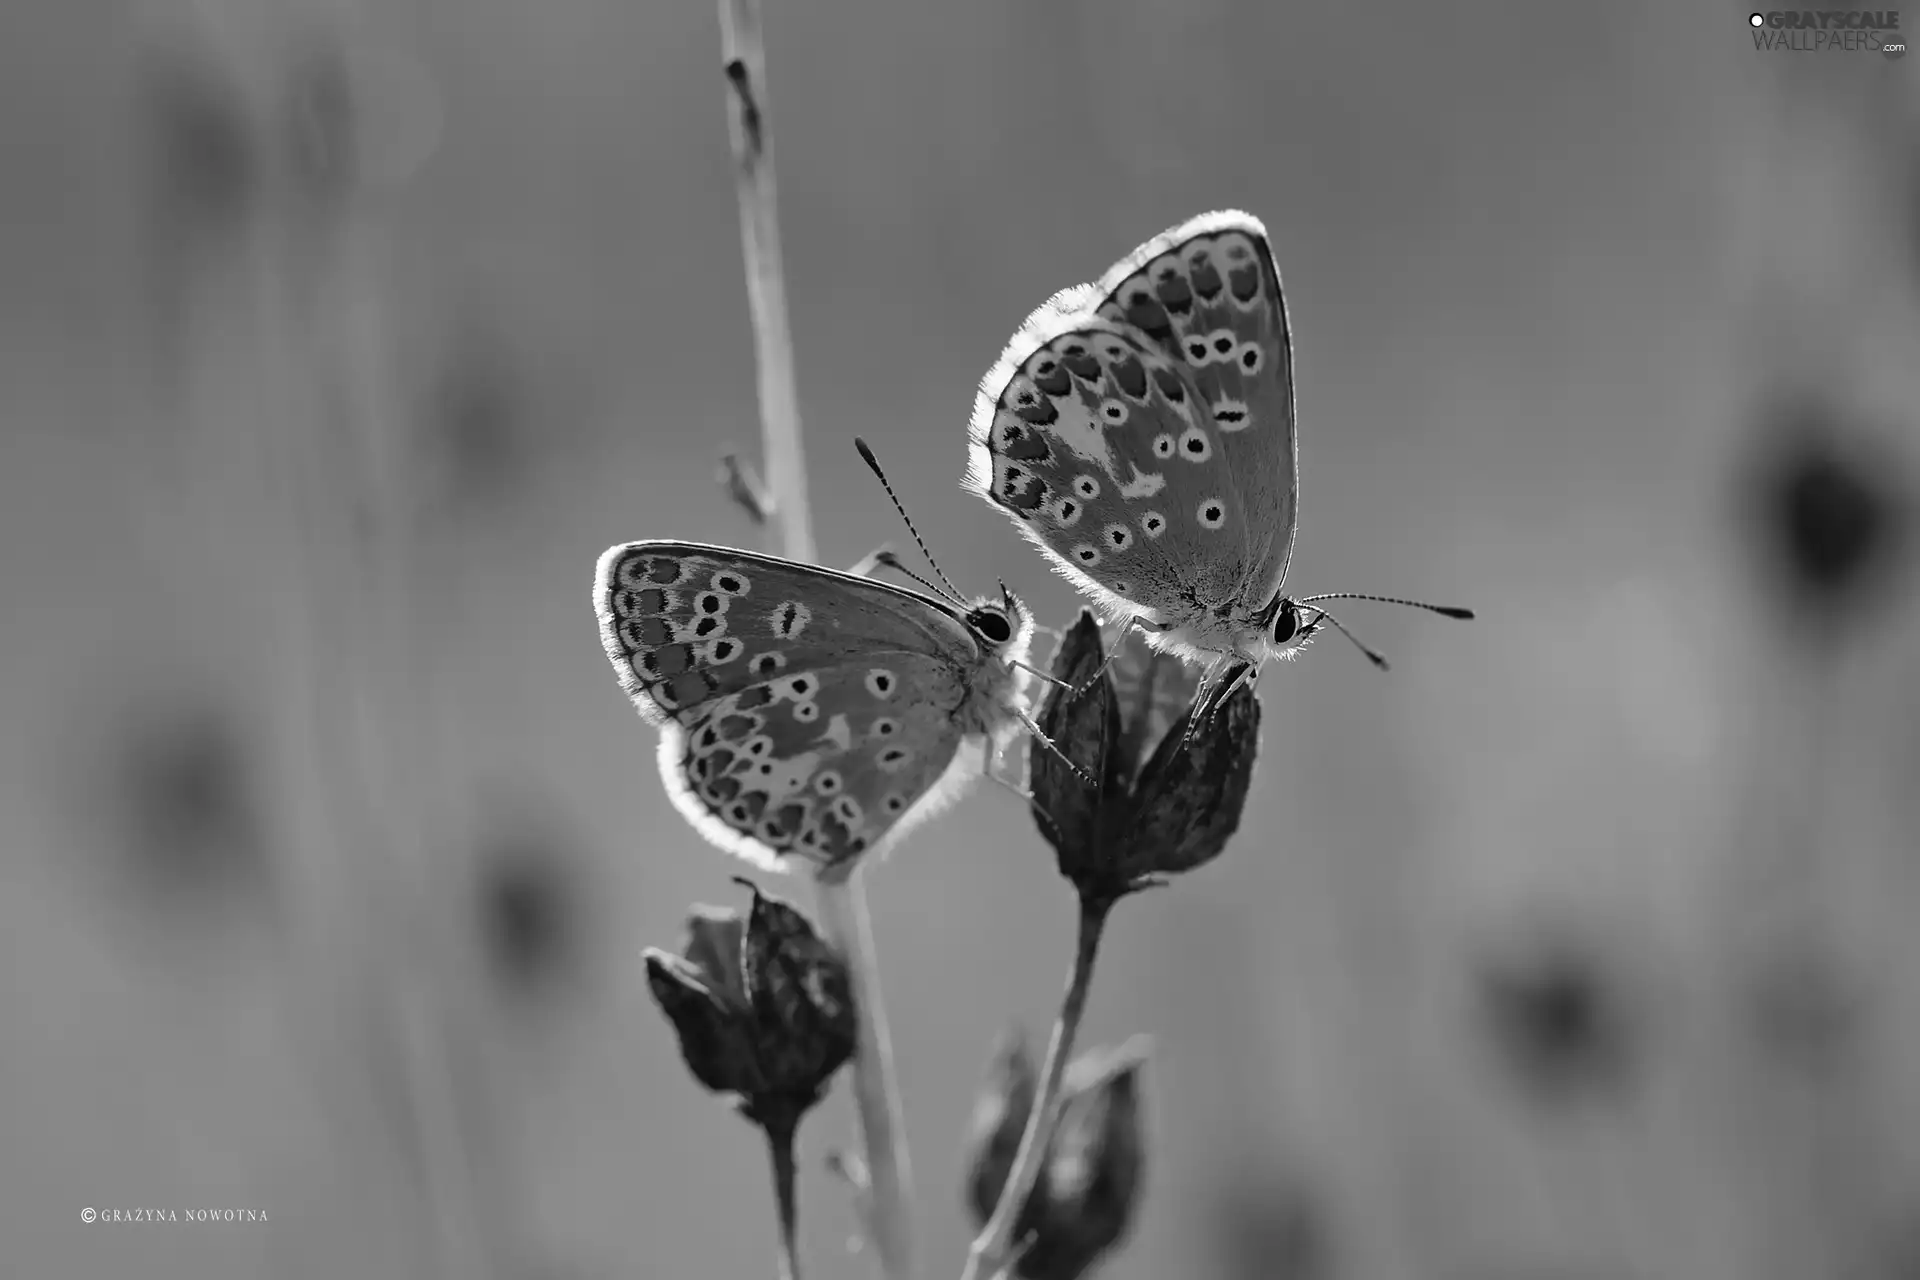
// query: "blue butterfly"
[[1140, 431], [807, 713]]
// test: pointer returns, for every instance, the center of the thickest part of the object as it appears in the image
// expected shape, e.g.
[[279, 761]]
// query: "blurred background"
[[336, 342]]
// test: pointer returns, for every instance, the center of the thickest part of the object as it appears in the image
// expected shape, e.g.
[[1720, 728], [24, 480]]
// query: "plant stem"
[[780, 1154], [992, 1249], [889, 1218], [744, 64], [843, 905]]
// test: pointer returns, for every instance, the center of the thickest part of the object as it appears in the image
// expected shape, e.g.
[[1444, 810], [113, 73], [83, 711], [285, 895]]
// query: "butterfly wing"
[[804, 712], [1140, 429]]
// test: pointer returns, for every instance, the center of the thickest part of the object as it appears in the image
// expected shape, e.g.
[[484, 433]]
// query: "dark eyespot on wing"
[[1130, 376], [1175, 294], [1040, 413], [1206, 280], [1051, 377], [1145, 313], [1027, 446], [1244, 282], [690, 687]]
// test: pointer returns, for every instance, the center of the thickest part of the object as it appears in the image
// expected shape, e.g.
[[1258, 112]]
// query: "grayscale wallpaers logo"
[[1829, 31]]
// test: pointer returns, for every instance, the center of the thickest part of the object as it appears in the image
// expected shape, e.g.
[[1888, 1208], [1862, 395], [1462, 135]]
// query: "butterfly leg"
[[1039, 736], [1135, 621], [1212, 695], [1030, 669], [1217, 697]]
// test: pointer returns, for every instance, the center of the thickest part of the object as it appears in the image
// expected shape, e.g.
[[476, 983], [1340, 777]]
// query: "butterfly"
[[1140, 431], [806, 713]]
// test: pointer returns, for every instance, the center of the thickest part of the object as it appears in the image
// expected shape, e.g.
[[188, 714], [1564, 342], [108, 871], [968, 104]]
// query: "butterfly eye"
[[1163, 445], [1211, 514], [1250, 357], [992, 624], [1153, 524], [1285, 622], [1087, 487]]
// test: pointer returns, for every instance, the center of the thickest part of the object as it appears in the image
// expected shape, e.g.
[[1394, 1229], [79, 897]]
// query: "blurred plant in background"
[[1083, 1199]]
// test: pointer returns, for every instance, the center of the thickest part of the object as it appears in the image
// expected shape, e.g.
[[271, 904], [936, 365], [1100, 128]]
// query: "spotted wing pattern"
[[1140, 430], [804, 712]]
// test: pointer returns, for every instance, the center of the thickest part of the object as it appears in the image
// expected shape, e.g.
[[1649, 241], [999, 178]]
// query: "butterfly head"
[[1002, 627], [1288, 628]]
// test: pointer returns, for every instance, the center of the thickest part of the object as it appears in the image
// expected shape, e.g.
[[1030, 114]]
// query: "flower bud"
[[1086, 729], [1189, 797], [1125, 825], [763, 1006], [1083, 1202]]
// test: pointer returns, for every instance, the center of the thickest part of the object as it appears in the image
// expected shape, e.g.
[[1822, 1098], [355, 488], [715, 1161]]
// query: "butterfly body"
[[806, 713], [1140, 431]]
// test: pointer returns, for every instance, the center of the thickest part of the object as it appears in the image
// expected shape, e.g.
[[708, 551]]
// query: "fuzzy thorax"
[[996, 703], [1202, 643]]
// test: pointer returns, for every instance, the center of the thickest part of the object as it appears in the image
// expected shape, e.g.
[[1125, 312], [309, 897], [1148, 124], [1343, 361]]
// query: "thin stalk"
[[843, 906], [845, 922], [780, 1156], [743, 62], [994, 1248]]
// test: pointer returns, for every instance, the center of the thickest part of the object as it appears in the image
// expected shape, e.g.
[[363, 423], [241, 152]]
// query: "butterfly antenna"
[[873, 463], [1445, 611], [1373, 655], [886, 559]]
